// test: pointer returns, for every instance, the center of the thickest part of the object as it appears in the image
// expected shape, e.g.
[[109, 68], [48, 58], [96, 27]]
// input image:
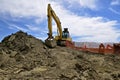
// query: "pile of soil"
[[24, 57]]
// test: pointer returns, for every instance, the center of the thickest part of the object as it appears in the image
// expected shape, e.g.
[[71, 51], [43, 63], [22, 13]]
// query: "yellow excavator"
[[63, 37]]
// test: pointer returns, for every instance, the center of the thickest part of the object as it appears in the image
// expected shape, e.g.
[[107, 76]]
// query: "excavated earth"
[[23, 57]]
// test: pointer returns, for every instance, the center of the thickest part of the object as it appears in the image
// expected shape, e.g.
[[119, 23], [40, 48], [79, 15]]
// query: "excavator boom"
[[52, 14]]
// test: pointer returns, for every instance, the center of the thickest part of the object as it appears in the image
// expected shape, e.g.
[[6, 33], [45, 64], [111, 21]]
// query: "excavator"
[[63, 37]]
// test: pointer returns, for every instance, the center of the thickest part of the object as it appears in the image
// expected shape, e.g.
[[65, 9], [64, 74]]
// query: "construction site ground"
[[24, 57]]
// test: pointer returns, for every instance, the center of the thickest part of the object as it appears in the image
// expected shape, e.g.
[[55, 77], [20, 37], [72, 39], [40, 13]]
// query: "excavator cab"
[[65, 33], [66, 39]]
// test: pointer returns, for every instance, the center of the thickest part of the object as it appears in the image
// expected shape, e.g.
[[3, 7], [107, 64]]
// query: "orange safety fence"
[[102, 49]]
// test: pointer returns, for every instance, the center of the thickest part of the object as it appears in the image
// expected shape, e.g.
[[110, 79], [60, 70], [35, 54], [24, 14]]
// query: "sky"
[[87, 20]]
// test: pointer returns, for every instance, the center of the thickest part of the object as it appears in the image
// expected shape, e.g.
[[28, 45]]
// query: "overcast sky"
[[87, 20]]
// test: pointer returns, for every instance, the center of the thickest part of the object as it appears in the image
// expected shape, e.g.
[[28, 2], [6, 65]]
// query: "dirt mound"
[[23, 57]]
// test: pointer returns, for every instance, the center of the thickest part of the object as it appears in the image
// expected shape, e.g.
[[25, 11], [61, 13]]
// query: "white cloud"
[[114, 11], [16, 27], [33, 28], [24, 8], [36, 29], [93, 29], [91, 4], [115, 2]]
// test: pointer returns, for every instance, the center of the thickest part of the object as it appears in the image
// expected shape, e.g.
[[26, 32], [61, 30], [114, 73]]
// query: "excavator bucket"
[[51, 43]]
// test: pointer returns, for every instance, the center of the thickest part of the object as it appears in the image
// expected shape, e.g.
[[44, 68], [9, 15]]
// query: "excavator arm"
[[50, 41], [52, 14]]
